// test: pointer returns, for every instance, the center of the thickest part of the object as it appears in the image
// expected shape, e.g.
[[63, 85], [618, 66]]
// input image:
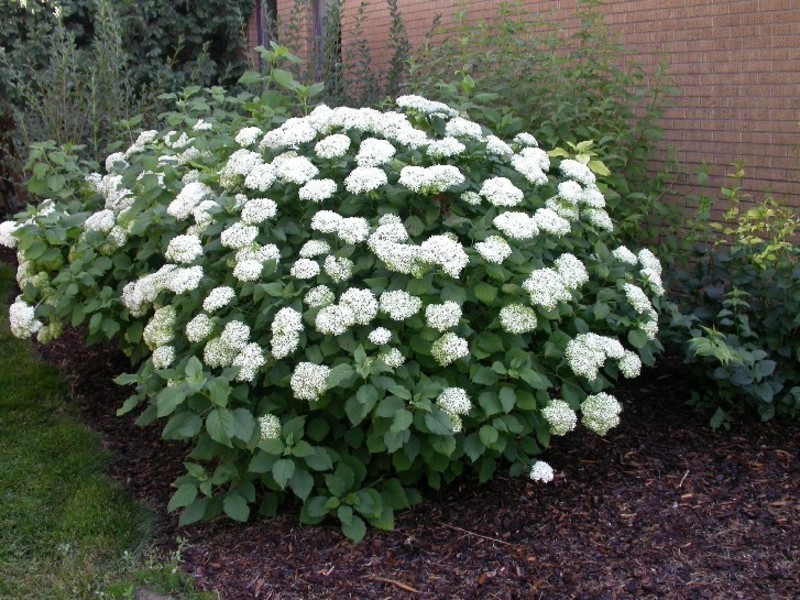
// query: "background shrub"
[[342, 307]]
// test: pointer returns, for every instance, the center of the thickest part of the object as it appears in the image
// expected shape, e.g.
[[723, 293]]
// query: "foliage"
[[345, 306], [348, 71], [740, 300], [567, 86], [64, 527], [71, 73]]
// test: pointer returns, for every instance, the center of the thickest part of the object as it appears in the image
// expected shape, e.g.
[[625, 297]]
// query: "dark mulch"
[[660, 507]]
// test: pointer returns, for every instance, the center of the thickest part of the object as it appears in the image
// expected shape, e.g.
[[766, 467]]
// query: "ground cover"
[[662, 507]]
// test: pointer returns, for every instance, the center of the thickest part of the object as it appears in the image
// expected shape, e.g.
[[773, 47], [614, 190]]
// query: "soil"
[[662, 507]]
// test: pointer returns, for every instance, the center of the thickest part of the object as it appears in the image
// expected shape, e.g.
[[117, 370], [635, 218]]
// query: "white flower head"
[[362, 180], [630, 365], [353, 230], [392, 358], [374, 152], [560, 416], [163, 357], [318, 296], [22, 319], [459, 127], [261, 177], [622, 254], [362, 303], [333, 146], [445, 252], [577, 171], [454, 401], [7, 238], [248, 136], [305, 268], [248, 269], [270, 427], [600, 412], [443, 316], [494, 249], [571, 270], [296, 169], [258, 210], [499, 191], [199, 328], [496, 146], [238, 235], [516, 225], [518, 319], [338, 269], [218, 298], [546, 288], [445, 148], [326, 221], [309, 381], [399, 305], [449, 348], [249, 360], [314, 248], [549, 221], [380, 336], [317, 190], [184, 249], [541, 472]]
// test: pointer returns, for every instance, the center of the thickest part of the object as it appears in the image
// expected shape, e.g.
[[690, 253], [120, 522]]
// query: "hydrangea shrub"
[[344, 306]]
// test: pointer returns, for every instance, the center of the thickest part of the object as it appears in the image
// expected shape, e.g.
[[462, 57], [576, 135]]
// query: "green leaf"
[[194, 512], [219, 390], [243, 424], [485, 293], [355, 529], [637, 338], [439, 423], [389, 406], [168, 400], [473, 447], [129, 405], [484, 376], [236, 507], [316, 507], [507, 398], [320, 460], [282, 471], [488, 435], [220, 425], [402, 421], [284, 79], [184, 496], [342, 374], [301, 483]]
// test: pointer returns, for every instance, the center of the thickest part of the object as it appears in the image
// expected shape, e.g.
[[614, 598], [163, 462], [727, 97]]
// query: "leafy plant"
[[343, 306], [741, 299]]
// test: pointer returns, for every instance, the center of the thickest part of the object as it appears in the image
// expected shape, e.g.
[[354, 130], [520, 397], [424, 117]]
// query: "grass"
[[66, 530]]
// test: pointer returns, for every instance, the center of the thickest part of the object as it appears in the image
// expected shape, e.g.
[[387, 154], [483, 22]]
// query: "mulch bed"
[[662, 507]]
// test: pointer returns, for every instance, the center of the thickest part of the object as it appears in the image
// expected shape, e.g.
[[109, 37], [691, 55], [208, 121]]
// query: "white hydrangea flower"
[[560, 416], [338, 269], [431, 180], [649, 261], [326, 221], [399, 305], [261, 177], [297, 170], [362, 180], [518, 319], [548, 220], [309, 381], [577, 171], [445, 252], [7, 229], [650, 328], [516, 225], [314, 248], [248, 269], [638, 299], [449, 348], [529, 168], [459, 127], [189, 197], [334, 319], [599, 218], [546, 288], [199, 328], [454, 401], [494, 249], [525, 139], [562, 208], [471, 198], [160, 329], [353, 230], [317, 190], [592, 198], [287, 320], [362, 303], [622, 254], [22, 319], [380, 336], [144, 138], [320, 295], [241, 162], [258, 210], [184, 249], [182, 280], [218, 297], [496, 146], [588, 352], [445, 148], [630, 365], [305, 268], [103, 221], [116, 163], [291, 134], [249, 361], [600, 412], [218, 354], [423, 105], [202, 125], [542, 472], [333, 146], [570, 191], [270, 427], [163, 357], [571, 270], [248, 136], [653, 280], [392, 358], [284, 344], [238, 235], [499, 191], [537, 155], [374, 152], [443, 316], [236, 334]]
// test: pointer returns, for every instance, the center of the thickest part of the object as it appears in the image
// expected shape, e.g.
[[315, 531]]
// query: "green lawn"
[[66, 530]]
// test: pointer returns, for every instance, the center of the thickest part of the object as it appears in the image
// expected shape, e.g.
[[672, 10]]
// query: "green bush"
[[567, 87], [343, 306], [740, 299]]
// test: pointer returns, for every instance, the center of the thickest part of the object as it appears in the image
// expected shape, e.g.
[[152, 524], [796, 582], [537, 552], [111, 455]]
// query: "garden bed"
[[661, 507]]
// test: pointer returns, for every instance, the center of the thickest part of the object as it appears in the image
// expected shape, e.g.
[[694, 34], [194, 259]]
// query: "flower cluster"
[[600, 412], [455, 403]]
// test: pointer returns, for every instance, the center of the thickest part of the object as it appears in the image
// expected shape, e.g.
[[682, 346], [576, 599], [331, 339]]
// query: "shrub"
[[740, 329], [567, 87], [346, 305]]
